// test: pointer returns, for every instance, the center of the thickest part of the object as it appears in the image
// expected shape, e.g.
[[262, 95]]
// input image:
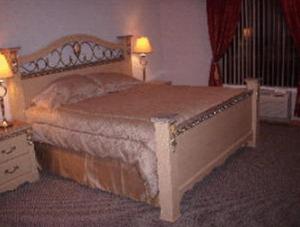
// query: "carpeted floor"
[[255, 187]]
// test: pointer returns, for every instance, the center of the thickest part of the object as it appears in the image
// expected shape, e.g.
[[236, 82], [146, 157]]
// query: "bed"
[[163, 138]]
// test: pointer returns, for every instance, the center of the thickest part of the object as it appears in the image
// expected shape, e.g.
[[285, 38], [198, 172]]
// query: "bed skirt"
[[103, 173]]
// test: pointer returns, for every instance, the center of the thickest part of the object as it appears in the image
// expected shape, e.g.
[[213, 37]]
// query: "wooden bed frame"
[[186, 152]]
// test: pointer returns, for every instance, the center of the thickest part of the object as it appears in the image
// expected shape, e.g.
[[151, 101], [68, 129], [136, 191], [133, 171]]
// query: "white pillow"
[[66, 90]]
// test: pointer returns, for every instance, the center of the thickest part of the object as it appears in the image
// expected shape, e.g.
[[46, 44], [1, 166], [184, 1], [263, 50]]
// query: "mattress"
[[118, 125]]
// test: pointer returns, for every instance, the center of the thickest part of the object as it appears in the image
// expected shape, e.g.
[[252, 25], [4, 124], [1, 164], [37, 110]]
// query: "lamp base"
[[5, 124]]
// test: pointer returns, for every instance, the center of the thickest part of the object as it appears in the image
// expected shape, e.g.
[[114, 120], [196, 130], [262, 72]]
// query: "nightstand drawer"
[[15, 168], [13, 147]]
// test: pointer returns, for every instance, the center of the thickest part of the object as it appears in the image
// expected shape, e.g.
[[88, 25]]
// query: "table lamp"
[[143, 47], [5, 73]]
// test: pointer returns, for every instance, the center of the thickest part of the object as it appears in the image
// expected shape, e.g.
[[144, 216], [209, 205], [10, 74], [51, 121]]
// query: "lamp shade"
[[247, 32], [142, 46], [5, 71]]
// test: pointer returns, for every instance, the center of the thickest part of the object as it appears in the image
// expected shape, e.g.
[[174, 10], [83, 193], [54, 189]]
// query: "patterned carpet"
[[255, 187]]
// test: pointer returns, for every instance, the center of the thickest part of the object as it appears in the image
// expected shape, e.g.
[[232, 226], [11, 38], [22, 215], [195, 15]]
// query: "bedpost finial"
[[126, 40], [252, 83]]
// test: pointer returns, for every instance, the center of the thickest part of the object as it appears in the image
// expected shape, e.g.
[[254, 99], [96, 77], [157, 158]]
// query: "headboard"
[[73, 54]]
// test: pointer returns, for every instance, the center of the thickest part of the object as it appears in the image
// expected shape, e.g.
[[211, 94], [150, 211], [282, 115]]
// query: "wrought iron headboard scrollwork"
[[71, 53]]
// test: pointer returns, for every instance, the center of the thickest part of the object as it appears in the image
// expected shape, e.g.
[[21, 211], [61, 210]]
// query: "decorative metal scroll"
[[193, 122], [176, 130], [72, 55]]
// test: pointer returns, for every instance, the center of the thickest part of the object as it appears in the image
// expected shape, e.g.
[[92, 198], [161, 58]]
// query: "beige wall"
[[185, 42]]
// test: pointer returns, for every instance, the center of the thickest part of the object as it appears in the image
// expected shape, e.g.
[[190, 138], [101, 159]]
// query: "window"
[[262, 47]]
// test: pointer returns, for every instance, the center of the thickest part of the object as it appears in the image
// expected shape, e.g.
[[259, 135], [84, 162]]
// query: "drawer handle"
[[9, 151], [7, 171]]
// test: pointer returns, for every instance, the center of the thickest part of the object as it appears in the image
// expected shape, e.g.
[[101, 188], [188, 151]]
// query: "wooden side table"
[[17, 157]]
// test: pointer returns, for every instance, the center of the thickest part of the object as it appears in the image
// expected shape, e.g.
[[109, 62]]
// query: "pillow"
[[66, 90], [112, 82]]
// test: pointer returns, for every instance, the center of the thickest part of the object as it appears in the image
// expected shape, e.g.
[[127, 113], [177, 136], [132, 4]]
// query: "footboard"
[[188, 152]]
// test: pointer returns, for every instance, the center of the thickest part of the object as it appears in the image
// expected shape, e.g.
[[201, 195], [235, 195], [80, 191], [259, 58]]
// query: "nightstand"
[[17, 157], [166, 82]]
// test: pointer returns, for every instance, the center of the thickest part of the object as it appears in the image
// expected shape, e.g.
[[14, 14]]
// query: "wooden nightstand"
[[17, 157], [166, 82]]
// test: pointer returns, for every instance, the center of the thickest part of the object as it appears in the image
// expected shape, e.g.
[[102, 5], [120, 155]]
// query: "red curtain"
[[222, 17], [291, 10]]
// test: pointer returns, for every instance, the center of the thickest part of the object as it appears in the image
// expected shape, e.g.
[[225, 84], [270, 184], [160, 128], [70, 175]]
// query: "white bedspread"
[[118, 125]]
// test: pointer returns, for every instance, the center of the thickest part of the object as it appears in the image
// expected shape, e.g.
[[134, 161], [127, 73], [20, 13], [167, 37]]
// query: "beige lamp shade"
[[5, 71], [142, 46]]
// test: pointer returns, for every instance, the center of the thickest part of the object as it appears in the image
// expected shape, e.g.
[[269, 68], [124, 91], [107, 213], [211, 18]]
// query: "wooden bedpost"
[[15, 92], [169, 197], [126, 42], [252, 84]]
